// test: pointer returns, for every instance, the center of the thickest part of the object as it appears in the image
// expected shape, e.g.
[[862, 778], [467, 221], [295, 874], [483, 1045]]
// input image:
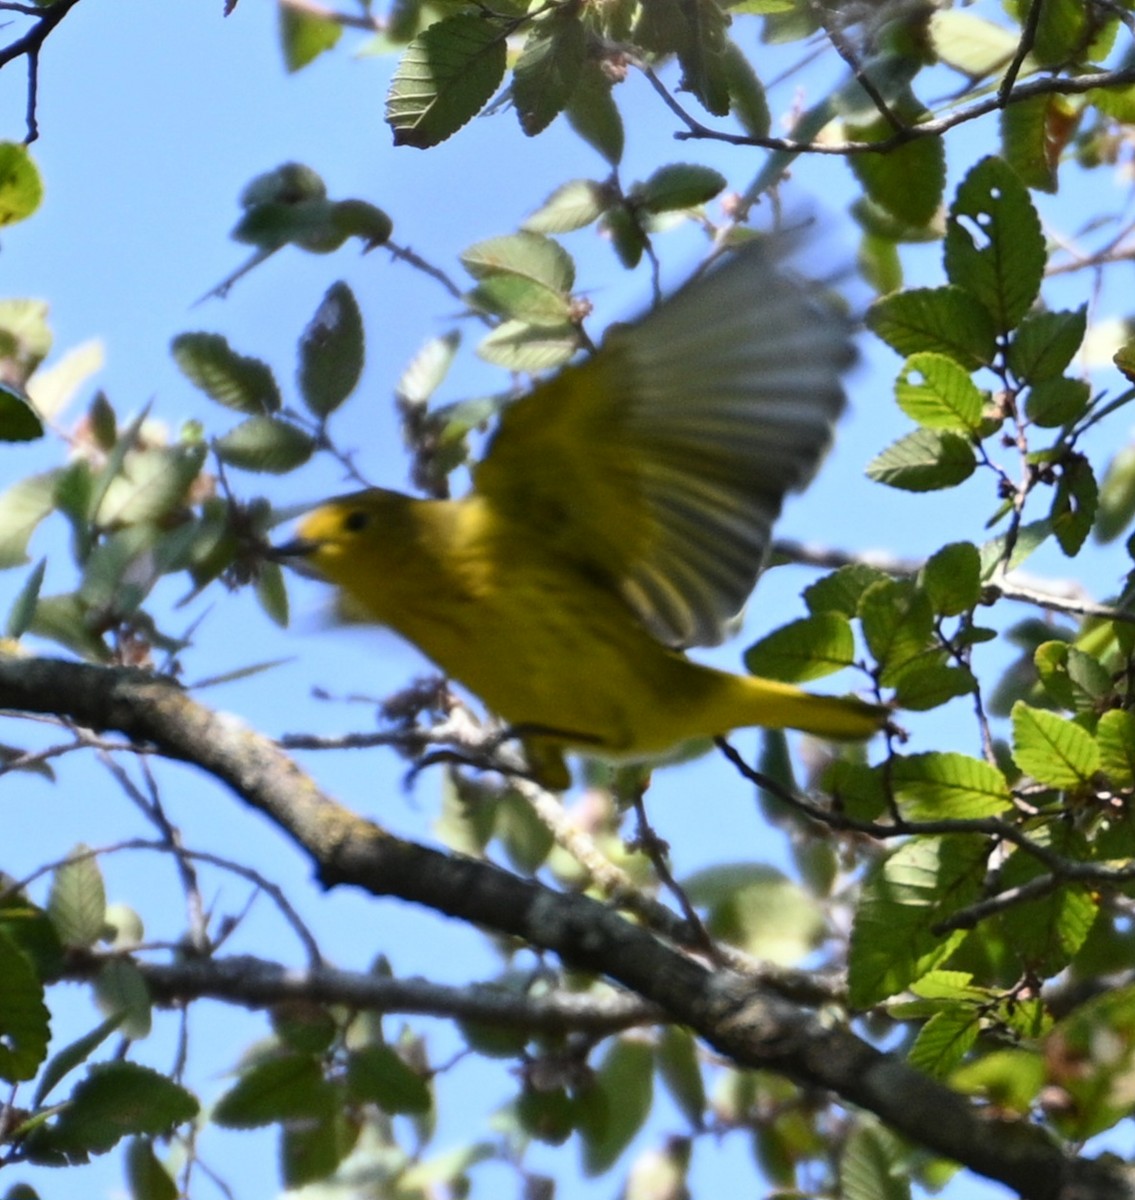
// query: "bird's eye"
[[356, 520]]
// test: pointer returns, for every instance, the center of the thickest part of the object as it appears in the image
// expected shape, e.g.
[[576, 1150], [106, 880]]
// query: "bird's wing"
[[661, 463]]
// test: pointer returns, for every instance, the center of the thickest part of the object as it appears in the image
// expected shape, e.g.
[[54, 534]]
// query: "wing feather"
[[662, 462]]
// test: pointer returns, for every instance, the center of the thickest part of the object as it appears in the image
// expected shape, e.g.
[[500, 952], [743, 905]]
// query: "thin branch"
[[1024, 48], [30, 45]]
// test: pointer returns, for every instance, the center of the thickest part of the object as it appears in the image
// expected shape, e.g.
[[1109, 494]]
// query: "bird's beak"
[[296, 554]]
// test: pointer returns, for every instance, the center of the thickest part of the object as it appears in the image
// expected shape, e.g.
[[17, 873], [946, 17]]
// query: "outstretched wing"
[[661, 463]]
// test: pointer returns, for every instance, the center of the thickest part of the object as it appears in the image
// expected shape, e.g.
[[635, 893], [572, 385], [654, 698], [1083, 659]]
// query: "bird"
[[620, 515]]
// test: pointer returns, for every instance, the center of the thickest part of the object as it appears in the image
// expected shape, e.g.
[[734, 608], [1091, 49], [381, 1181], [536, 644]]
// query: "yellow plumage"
[[622, 511]]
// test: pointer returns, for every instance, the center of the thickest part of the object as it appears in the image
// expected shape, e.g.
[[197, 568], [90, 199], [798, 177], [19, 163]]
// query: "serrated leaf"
[[1072, 678], [937, 393], [908, 181], [926, 460], [944, 1041], [331, 351], [288, 1088], [573, 205], [678, 186], [1034, 135], [1053, 750], [594, 115], [527, 255], [943, 320], [24, 1018], [893, 942], [971, 44], [1055, 402], [514, 297], [841, 591], [518, 346], [71, 1056], [898, 625], [951, 578], [547, 72], [304, 36], [806, 649], [444, 78], [613, 1109], [116, 1100], [938, 785], [21, 189], [872, 1166], [234, 380], [76, 903], [378, 1075], [1115, 736], [924, 687], [994, 242], [265, 444], [1044, 344], [1074, 505], [149, 485]]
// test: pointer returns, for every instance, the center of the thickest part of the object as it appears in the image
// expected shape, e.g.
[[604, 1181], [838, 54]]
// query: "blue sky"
[[152, 119]]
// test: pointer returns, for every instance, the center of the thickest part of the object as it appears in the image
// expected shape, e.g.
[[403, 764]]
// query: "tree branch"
[[750, 1026]]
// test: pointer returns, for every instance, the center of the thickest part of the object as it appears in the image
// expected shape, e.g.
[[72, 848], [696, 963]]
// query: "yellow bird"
[[622, 512]]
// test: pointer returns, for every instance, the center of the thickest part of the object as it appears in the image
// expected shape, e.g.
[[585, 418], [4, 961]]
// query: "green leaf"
[[627, 235], [1117, 496], [1011, 1080], [72, 1055], [116, 1100], [288, 1088], [973, 45], [594, 115], [547, 72], [76, 903], [1074, 505], [331, 351], [681, 1072], [1053, 750], [149, 486], [806, 649], [893, 942], [1062, 32], [378, 1075], [311, 1151], [613, 1109], [1072, 678], [210, 363], [908, 181], [1044, 343], [572, 205], [748, 102], [265, 444], [1034, 133], [933, 786], [679, 186], [120, 989], [943, 320], [872, 1165], [926, 686], [898, 624], [944, 1041], [527, 255], [994, 243], [22, 612], [757, 908], [272, 593], [444, 78], [21, 189], [22, 507], [24, 1018], [19, 422], [516, 298], [1055, 402], [304, 36], [518, 346], [1115, 736], [937, 393], [841, 591], [547, 1116], [427, 370], [926, 460], [145, 1175], [25, 339], [951, 579]]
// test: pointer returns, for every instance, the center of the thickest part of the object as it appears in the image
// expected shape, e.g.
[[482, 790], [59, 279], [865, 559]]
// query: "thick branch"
[[752, 1028]]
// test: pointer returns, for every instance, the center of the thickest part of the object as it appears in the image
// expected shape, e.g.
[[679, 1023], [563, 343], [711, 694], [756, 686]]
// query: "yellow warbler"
[[622, 511]]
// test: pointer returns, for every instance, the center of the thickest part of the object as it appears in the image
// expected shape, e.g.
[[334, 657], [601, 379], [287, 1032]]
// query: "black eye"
[[356, 520]]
